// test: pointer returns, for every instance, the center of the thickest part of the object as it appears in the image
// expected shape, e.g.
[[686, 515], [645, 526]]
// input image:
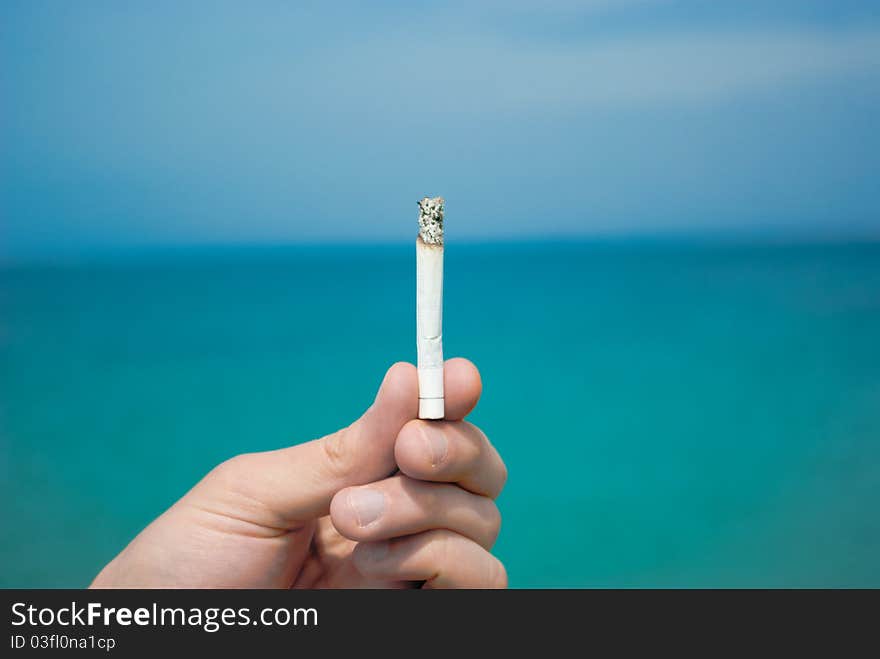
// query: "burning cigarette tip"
[[431, 220]]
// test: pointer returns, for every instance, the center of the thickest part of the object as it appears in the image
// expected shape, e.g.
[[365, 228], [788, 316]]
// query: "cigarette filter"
[[429, 308]]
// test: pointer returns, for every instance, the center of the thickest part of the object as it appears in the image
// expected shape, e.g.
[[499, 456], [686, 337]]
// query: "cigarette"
[[429, 308]]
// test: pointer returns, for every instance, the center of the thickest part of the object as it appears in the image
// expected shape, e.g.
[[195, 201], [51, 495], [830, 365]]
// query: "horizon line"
[[113, 253]]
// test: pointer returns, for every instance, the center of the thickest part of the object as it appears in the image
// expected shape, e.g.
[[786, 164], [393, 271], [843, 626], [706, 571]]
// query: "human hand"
[[333, 513]]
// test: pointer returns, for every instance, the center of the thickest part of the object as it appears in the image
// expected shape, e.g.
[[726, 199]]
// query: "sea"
[[672, 413]]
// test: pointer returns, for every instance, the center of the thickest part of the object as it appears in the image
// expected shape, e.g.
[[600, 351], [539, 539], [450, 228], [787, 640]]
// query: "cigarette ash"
[[431, 220]]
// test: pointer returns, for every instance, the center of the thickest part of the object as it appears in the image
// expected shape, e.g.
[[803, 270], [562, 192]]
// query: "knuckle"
[[231, 469], [489, 453], [233, 487], [336, 453], [479, 445], [504, 474], [493, 517], [497, 574]]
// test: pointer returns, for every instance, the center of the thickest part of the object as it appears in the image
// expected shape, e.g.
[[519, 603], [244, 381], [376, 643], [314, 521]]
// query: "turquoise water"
[[684, 415]]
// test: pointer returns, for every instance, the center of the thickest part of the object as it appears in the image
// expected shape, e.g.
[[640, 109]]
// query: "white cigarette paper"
[[429, 308]]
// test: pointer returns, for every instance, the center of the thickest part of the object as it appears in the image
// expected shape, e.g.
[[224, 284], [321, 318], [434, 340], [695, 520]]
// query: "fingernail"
[[436, 441], [368, 505]]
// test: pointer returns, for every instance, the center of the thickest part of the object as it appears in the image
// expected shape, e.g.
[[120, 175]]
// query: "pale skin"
[[388, 502]]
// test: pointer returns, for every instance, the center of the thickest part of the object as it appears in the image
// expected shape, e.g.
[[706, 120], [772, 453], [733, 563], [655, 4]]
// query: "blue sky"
[[150, 123]]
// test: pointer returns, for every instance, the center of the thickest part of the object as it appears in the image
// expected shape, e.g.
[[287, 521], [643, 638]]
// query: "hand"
[[333, 513]]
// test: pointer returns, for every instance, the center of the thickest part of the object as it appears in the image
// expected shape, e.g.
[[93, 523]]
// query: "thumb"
[[295, 484], [291, 486]]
